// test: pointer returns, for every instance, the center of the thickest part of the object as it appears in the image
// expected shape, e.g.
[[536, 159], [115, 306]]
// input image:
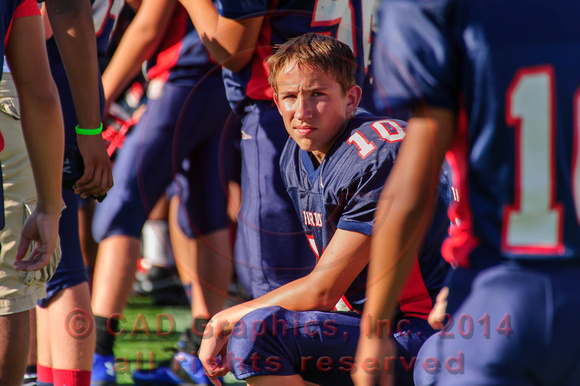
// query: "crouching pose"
[[333, 166]]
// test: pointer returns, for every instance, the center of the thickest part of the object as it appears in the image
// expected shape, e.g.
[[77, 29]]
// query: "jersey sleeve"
[[27, 8], [240, 9], [413, 59], [361, 198]]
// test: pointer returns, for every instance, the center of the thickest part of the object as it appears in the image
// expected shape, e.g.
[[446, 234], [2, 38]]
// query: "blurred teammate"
[[68, 290], [496, 83], [186, 113], [23, 44]]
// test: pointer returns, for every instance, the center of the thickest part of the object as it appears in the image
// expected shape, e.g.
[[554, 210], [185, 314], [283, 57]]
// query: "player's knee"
[[256, 326]]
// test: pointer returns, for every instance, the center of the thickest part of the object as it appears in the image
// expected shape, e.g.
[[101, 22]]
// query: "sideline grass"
[[148, 335]]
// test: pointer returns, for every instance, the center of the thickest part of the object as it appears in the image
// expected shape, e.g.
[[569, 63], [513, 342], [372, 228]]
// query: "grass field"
[[148, 334]]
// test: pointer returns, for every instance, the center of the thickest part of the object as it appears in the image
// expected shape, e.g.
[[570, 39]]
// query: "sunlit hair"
[[313, 50]]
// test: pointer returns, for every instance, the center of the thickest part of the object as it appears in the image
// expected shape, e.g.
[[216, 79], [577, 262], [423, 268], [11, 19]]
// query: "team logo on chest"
[[312, 218]]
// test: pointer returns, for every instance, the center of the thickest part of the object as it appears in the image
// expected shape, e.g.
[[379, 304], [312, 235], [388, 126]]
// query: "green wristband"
[[96, 131]]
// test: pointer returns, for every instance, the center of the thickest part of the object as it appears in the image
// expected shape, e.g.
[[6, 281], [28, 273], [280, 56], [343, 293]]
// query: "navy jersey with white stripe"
[[510, 71], [346, 20], [105, 17], [342, 193]]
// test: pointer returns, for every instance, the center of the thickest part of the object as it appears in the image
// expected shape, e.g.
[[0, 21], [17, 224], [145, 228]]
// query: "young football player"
[[333, 167]]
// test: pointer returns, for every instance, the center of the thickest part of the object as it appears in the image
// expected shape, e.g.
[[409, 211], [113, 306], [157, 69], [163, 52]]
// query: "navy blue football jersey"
[[342, 193], [181, 57], [515, 153], [105, 16], [346, 20]]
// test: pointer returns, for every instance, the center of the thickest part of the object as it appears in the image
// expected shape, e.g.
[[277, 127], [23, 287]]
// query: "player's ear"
[[277, 102], [353, 96]]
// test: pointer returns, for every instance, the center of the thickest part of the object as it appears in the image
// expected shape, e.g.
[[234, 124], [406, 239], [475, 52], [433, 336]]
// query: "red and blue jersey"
[[181, 55], [342, 193], [105, 17], [515, 152], [346, 20]]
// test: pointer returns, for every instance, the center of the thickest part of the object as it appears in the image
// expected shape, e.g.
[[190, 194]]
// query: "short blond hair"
[[316, 51]]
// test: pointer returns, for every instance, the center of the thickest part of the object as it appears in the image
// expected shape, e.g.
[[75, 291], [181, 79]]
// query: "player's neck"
[[314, 160]]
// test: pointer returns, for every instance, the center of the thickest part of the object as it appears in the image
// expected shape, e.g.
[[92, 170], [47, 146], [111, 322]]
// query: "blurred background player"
[[23, 44], [186, 112], [496, 84], [68, 289]]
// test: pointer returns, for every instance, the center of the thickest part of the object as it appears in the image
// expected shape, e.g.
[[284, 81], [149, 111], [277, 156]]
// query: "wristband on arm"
[[96, 131]]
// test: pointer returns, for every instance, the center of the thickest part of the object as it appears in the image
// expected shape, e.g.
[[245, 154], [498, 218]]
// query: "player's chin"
[[306, 144]]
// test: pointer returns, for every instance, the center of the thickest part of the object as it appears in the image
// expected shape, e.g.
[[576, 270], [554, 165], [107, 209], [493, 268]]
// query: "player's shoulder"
[[431, 4], [368, 132], [438, 10], [368, 143], [366, 122]]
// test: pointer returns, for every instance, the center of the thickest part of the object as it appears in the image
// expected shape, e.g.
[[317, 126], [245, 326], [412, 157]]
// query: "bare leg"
[[14, 341], [32, 347], [70, 324], [43, 329], [207, 260], [114, 274]]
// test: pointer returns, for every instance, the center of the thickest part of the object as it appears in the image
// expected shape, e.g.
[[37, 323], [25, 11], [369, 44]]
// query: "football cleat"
[[103, 373]]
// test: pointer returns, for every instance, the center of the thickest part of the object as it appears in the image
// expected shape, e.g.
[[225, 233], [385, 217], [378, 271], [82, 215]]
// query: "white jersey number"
[[533, 223], [387, 130], [332, 12]]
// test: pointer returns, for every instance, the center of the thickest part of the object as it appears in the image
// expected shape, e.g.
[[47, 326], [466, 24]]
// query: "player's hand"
[[213, 353], [41, 228], [97, 178], [373, 349], [437, 315]]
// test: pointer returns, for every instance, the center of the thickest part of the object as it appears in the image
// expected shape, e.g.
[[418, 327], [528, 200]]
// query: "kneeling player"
[[334, 166]]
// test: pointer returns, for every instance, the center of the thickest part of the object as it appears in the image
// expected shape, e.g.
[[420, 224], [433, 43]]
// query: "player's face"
[[313, 107]]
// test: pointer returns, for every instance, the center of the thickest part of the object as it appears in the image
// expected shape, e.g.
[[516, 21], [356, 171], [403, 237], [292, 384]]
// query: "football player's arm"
[[72, 25], [43, 131], [230, 42], [343, 260], [403, 215], [139, 43]]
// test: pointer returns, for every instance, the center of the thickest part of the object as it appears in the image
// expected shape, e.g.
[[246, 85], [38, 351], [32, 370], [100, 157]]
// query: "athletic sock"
[[157, 248], [30, 376], [105, 340], [45, 377], [71, 377], [31, 369], [187, 289], [199, 324], [190, 339]]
